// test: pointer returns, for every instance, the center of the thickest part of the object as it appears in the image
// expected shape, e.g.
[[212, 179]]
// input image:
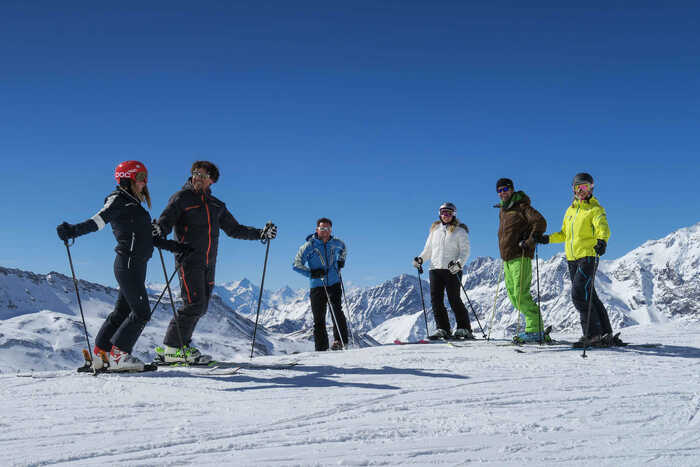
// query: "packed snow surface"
[[424, 404]]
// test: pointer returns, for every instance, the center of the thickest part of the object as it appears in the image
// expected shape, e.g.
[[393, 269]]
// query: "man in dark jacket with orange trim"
[[196, 217]]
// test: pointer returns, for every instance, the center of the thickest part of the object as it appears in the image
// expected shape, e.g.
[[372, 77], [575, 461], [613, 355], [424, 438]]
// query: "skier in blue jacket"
[[325, 256]]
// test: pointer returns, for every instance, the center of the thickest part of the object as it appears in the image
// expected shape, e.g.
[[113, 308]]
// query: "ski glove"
[[523, 244], [454, 267], [317, 273], [600, 247], [182, 251], [417, 262], [156, 230], [340, 263], [269, 232], [542, 238], [66, 231]]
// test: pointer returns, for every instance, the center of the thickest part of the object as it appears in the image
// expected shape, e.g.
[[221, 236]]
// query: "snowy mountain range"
[[653, 283]]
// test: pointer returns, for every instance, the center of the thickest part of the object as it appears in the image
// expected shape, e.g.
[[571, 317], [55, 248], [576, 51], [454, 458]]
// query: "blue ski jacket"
[[319, 255]]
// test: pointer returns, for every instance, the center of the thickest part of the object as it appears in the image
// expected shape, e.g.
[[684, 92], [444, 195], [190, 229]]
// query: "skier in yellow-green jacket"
[[585, 235]]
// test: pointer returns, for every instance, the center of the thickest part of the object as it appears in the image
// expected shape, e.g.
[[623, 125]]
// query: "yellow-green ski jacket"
[[584, 224]]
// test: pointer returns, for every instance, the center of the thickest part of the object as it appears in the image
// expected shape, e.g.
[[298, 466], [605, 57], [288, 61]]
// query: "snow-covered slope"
[[412, 405]]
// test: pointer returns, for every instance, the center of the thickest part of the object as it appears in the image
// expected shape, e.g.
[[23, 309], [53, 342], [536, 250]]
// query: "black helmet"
[[504, 182], [582, 177], [448, 206]]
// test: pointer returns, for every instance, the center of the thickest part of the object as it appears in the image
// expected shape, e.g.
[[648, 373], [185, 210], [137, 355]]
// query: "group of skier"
[[585, 232], [196, 217]]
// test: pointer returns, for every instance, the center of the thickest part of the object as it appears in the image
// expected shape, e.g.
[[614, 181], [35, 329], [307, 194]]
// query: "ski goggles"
[[324, 229], [198, 174], [503, 189], [141, 176], [447, 212], [583, 187]]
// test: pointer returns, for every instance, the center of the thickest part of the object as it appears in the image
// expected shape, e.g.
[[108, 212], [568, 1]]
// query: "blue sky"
[[370, 113]]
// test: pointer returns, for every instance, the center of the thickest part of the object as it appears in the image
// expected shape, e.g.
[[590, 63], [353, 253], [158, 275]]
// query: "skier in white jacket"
[[447, 249]]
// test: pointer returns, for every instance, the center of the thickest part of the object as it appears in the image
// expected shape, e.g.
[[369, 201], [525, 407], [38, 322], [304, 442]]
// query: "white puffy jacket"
[[446, 243]]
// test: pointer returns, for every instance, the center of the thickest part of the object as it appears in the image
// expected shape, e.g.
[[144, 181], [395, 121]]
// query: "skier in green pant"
[[520, 225]]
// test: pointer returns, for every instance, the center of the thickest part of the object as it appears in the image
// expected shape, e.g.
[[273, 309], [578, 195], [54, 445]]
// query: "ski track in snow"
[[387, 405]]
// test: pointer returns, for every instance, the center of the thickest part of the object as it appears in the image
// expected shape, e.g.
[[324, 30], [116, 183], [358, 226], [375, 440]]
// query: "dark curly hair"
[[211, 169]]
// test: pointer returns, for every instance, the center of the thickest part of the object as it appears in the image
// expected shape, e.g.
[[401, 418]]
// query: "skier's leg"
[[581, 275], [335, 293], [454, 289], [437, 299], [132, 287], [318, 308], [193, 292], [118, 315]]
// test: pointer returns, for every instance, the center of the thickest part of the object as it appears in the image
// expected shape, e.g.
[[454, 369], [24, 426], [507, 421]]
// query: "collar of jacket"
[[189, 186], [589, 203], [451, 226], [128, 193], [513, 200], [315, 237]]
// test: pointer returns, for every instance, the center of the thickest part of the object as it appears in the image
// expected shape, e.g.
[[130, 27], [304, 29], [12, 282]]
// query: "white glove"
[[454, 267], [156, 230], [417, 262]]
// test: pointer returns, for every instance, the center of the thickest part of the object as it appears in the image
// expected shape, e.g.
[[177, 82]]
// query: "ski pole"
[[422, 300], [590, 302], [172, 302], [520, 290], [353, 337], [262, 284], [495, 300], [334, 318], [539, 306], [470, 306], [80, 303]]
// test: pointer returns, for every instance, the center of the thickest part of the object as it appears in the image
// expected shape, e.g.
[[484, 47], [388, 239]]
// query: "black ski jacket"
[[197, 218], [131, 225]]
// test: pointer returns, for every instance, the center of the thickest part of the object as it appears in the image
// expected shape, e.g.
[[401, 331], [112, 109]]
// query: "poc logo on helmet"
[[124, 174]]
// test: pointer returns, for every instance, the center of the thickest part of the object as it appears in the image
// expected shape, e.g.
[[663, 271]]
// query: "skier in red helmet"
[[131, 225]]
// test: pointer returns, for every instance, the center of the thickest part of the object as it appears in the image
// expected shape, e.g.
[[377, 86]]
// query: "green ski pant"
[[518, 273]]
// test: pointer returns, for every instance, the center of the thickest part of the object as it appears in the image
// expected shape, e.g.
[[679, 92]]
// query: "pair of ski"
[[215, 368]]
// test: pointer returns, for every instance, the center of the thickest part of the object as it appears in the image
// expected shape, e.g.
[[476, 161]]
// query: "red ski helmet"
[[131, 169]]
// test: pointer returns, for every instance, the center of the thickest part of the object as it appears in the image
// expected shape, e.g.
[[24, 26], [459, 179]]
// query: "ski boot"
[[191, 355], [337, 345], [593, 341], [461, 333], [440, 334], [122, 361]]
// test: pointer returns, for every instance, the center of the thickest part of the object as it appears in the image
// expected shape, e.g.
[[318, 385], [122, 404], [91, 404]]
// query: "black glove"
[[600, 247], [66, 231], [183, 251], [454, 267], [340, 263], [269, 232], [523, 244], [317, 273], [542, 238]]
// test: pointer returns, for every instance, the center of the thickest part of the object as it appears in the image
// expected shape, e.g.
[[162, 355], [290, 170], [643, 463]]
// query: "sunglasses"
[[198, 174], [446, 212], [503, 189], [141, 177], [324, 229]]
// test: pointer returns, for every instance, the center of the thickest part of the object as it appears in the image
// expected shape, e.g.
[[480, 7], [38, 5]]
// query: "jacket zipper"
[[131, 250], [571, 246], [206, 206]]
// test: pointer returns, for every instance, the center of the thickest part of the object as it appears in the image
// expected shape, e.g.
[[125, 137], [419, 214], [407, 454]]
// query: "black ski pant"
[[125, 324], [581, 272], [442, 280], [196, 285], [319, 301]]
